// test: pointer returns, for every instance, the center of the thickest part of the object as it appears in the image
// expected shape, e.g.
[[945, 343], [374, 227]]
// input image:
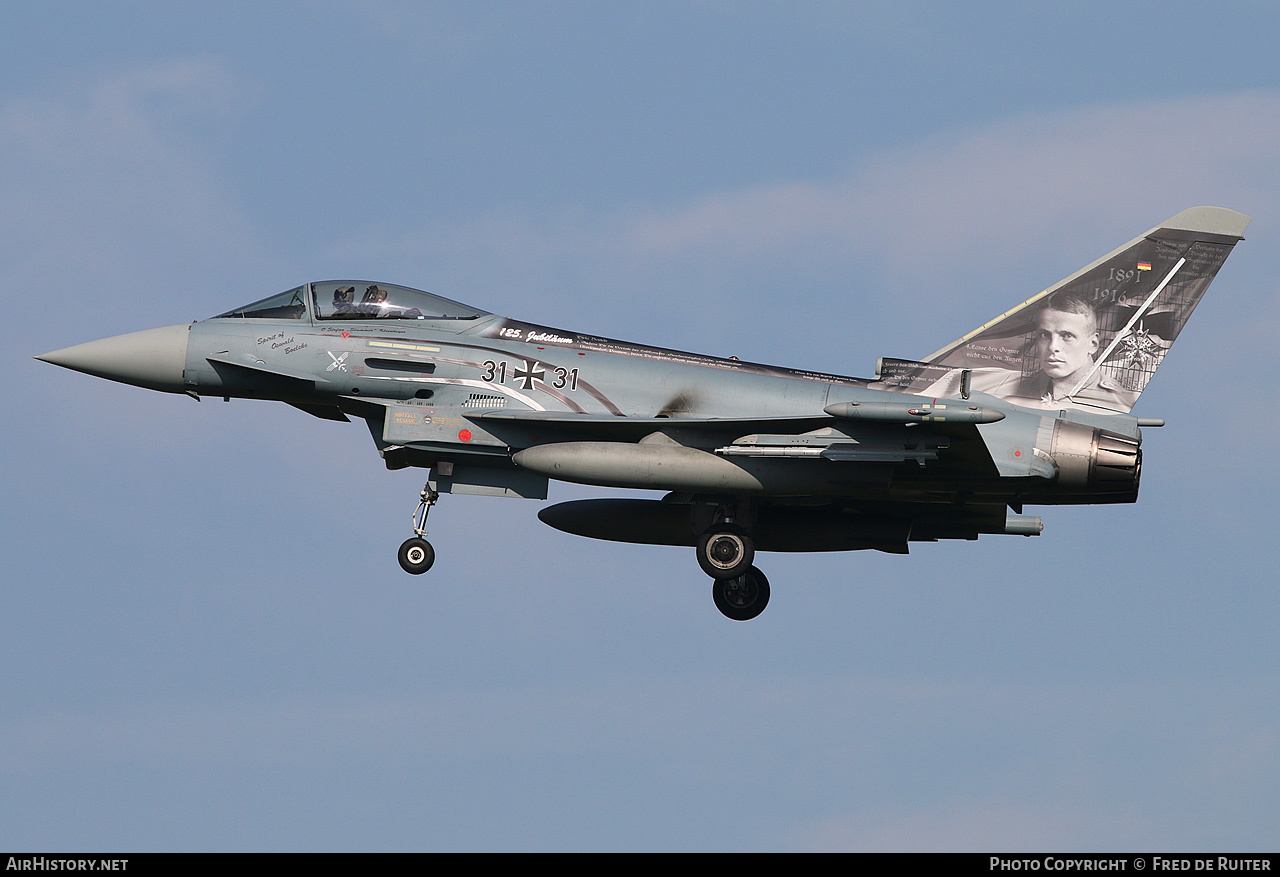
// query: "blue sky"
[[208, 643]]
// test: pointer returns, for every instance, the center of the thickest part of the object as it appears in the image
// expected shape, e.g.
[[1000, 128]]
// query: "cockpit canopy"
[[358, 300], [355, 300]]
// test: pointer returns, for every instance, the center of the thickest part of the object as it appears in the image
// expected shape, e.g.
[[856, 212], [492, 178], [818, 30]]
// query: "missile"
[[915, 412]]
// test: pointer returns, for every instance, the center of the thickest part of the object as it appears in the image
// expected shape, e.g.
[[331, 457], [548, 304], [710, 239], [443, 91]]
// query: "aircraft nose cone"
[[154, 358]]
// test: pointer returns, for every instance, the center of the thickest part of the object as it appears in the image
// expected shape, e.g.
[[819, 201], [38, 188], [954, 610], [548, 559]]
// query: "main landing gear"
[[743, 598], [725, 552], [416, 555]]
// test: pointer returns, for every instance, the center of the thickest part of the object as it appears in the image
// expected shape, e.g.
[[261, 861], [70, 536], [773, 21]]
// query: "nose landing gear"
[[416, 554]]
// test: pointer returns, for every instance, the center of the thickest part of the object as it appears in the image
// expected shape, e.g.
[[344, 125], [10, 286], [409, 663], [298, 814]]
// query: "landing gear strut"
[[416, 555]]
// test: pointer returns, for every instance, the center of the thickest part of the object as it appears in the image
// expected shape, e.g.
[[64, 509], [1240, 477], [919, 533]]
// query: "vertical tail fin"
[[1094, 339]]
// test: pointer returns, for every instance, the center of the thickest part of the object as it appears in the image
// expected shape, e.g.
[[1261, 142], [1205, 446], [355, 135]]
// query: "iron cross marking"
[[529, 375]]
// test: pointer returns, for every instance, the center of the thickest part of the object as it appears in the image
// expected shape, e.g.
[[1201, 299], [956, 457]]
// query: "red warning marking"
[[346, 334], [464, 435]]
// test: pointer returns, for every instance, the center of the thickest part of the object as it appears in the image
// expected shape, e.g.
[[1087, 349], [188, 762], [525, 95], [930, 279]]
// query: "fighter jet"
[[1031, 408]]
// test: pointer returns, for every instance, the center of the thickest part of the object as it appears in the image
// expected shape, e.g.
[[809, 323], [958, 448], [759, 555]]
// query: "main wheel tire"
[[416, 556], [743, 598], [725, 551]]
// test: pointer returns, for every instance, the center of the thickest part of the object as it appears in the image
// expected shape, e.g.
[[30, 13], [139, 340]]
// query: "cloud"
[[1016, 182], [947, 232], [119, 114], [108, 174], [1013, 181]]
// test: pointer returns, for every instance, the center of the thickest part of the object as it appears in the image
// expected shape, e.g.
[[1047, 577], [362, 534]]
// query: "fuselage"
[[807, 461], [439, 381]]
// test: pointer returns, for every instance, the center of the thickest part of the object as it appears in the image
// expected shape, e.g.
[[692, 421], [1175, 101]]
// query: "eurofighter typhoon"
[[1031, 408]]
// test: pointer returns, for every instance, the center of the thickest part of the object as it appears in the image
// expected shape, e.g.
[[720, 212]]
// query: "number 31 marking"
[[494, 371], [565, 376], [497, 371]]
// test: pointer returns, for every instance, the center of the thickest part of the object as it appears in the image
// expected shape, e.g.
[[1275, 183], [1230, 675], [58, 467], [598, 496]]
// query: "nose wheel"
[[416, 554]]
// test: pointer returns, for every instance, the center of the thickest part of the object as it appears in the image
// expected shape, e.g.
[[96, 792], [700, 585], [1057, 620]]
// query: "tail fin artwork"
[[1094, 339]]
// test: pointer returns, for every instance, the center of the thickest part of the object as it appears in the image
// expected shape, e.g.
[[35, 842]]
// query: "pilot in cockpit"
[[344, 301], [374, 301]]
